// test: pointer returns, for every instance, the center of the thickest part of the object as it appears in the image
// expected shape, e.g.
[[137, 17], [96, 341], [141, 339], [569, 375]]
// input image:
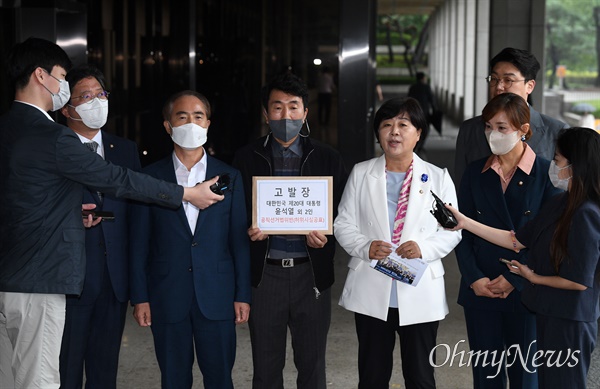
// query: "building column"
[[357, 64]]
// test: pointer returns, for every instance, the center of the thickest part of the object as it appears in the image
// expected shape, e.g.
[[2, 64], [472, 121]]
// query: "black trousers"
[[286, 299], [92, 337], [376, 341], [213, 340]]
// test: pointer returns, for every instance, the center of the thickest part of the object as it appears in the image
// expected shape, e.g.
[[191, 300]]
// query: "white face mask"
[[560, 183], [501, 143], [189, 136], [94, 113], [62, 97]]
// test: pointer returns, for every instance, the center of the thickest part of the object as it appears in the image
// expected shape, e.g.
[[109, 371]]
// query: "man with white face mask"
[[190, 270], [43, 170], [95, 319]]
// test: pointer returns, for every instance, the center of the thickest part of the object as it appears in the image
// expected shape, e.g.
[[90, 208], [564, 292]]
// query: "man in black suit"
[[95, 319], [421, 91], [43, 170]]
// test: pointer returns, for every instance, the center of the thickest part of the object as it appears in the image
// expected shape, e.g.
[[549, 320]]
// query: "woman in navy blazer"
[[505, 191], [562, 279]]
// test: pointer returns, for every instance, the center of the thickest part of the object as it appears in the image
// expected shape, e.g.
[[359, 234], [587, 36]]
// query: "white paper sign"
[[292, 205]]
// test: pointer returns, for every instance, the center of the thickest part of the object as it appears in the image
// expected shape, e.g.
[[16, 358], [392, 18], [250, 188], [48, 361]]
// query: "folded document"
[[401, 269]]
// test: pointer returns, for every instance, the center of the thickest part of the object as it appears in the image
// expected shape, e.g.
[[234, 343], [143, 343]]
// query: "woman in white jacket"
[[388, 200]]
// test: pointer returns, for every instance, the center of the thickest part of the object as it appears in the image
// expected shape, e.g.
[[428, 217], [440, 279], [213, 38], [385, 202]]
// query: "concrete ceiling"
[[407, 7]]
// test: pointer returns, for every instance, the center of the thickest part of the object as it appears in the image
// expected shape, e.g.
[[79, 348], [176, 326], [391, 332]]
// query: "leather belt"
[[287, 262]]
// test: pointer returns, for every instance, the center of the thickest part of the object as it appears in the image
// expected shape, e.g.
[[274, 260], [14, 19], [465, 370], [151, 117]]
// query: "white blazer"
[[363, 218]]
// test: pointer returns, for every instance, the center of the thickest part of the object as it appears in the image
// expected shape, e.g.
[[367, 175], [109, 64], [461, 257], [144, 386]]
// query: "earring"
[[523, 139]]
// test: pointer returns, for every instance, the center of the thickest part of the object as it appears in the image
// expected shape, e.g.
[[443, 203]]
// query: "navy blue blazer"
[[170, 263], [582, 265], [480, 197], [43, 170], [106, 245]]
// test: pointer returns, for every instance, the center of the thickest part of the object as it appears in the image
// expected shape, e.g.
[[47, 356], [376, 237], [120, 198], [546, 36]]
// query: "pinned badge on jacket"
[[424, 178]]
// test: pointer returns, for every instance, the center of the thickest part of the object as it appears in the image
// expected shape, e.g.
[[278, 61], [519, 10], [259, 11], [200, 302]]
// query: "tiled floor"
[[138, 368]]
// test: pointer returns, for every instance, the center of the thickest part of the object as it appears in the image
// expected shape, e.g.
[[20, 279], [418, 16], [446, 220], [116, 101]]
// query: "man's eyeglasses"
[[507, 82], [89, 97]]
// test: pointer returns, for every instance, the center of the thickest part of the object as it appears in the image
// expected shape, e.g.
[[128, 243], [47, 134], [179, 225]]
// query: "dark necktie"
[[93, 146]]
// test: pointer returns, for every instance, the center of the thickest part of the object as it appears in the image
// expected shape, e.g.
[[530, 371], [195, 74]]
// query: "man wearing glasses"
[[43, 170], [512, 70], [95, 319]]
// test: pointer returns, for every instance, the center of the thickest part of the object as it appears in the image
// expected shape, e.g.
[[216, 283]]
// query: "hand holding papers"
[[401, 269]]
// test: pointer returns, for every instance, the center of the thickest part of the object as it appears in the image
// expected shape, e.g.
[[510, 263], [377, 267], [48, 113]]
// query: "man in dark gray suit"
[[43, 170], [511, 70], [95, 319]]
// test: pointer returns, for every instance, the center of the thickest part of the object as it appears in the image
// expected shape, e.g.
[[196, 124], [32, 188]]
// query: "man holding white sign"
[[291, 274]]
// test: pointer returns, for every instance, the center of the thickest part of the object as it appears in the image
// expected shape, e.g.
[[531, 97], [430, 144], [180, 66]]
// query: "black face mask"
[[285, 129]]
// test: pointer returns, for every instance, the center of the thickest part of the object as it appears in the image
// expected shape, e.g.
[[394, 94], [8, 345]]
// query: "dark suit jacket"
[[472, 145], [480, 197], [170, 264], [106, 245], [43, 169], [582, 265]]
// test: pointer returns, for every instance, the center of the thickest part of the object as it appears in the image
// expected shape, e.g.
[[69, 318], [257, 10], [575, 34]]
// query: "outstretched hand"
[[200, 195], [460, 218]]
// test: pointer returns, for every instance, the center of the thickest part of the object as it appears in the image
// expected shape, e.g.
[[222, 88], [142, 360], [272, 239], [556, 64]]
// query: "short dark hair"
[[168, 107], [513, 105], [31, 54], [523, 60], [397, 106], [420, 76], [288, 83], [81, 72]]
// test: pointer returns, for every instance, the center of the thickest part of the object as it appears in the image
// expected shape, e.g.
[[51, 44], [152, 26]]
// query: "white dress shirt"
[[188, 178]]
